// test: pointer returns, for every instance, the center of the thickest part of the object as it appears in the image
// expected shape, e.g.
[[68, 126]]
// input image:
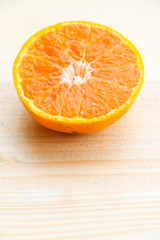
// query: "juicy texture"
[[78, 71]]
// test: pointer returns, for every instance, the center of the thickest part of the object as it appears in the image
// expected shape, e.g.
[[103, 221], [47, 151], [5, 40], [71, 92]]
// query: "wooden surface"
[[104, 185]]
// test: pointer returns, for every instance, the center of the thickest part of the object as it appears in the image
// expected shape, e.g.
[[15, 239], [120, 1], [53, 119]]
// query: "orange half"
[[77, 76]]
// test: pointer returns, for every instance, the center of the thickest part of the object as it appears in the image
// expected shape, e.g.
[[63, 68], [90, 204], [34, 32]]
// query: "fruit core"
[[76, 73]]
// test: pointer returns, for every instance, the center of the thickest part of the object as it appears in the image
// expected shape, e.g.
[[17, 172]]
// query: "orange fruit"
[[77, 76]]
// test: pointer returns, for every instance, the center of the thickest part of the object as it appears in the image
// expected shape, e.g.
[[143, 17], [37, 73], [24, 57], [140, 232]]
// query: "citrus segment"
[[51, 100], [78, 76], [37, 75], [117, 56], [127, 75], [71, 103], [33, 67], [99, 42], [47, 46], [35, 87], [74, 39], [112, 94], [91, 104]]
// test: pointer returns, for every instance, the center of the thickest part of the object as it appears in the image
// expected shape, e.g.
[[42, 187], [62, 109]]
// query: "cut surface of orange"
[[78, 76]]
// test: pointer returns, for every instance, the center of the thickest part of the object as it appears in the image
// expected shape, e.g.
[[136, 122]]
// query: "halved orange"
[[77, 76]]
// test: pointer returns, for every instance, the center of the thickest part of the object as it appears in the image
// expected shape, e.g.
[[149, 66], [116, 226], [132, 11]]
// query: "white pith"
[[76, 73]]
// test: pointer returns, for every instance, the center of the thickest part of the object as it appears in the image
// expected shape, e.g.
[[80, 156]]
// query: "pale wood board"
[[104, 185]]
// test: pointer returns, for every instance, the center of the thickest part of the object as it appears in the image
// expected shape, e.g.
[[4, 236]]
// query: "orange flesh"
[[78, 71]]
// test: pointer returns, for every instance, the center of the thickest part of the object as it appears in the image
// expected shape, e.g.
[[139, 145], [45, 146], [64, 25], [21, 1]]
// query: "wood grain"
[[61, 186], [104, 185], [79, 216], [73, 216]]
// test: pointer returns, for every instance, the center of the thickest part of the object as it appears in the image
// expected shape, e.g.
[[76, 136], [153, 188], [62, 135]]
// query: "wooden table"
[[104, 185]]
